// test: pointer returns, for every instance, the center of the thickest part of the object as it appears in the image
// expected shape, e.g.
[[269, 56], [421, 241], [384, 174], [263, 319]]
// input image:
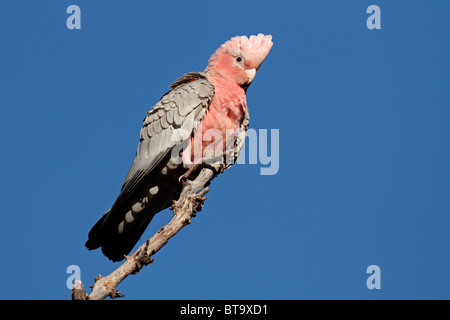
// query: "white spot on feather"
[[129, 217], [138, 207], [120, 228], [154, 190]]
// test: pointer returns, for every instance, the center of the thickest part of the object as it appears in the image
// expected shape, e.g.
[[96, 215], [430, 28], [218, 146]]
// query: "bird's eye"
[[238, 59]]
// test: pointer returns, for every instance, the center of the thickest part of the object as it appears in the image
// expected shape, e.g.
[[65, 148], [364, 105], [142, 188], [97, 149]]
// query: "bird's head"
[[239, 58]]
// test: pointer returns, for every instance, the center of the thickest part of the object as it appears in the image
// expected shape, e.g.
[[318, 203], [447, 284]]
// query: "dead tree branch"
[[190, 201]]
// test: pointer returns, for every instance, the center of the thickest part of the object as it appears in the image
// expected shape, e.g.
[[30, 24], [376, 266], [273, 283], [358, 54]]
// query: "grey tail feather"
[[116, 248], [114, 245]]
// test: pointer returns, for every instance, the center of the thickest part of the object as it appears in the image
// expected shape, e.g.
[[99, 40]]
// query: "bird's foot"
[[191, 169], [204, 163]]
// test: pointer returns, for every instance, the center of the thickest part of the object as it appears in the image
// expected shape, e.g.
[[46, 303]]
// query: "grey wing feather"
[[182, 107]]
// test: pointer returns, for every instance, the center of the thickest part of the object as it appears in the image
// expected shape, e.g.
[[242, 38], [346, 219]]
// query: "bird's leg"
[[192, 168], [202, 163]]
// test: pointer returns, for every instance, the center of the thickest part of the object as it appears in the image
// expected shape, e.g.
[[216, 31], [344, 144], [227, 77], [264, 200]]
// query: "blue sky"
[[363, 117]]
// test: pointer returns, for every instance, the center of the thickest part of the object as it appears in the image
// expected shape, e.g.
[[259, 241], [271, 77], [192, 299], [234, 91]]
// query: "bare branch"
[[78, 292], [190, 201]]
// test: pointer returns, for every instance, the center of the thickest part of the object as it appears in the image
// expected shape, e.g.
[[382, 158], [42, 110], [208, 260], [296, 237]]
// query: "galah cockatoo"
[[197, 102]]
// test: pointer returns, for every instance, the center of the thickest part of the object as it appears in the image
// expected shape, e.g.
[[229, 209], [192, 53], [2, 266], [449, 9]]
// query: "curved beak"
[[250, 74]]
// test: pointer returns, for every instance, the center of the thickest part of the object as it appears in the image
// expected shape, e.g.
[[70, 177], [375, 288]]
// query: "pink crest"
[[253, 49]]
